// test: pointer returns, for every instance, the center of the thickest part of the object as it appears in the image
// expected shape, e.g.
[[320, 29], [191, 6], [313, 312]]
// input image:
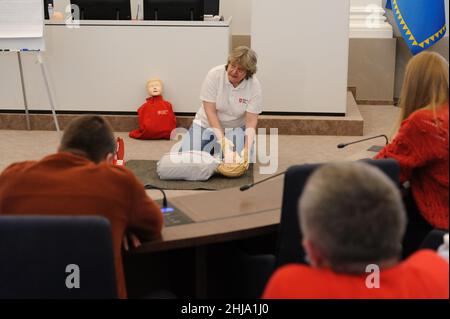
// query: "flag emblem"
[[421, 22]]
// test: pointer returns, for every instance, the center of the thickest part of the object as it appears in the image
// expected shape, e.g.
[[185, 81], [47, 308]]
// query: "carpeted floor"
[[16, 146]]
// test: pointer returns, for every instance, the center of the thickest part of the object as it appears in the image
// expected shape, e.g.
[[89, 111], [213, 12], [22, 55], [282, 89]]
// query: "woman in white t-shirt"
[[231, 101]]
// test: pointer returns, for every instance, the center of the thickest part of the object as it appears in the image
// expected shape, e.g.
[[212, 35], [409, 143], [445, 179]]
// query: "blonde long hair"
[[425, 85]]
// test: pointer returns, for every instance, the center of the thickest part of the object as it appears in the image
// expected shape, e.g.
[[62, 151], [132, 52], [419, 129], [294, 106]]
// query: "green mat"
[[145, 170]]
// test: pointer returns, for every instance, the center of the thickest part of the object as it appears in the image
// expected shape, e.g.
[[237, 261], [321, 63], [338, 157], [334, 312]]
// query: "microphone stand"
[[165, 208], [342, 145], [248, 186]]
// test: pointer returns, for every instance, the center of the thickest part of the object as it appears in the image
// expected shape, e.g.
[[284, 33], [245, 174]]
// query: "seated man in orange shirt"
[[353, 220], [80, 180]]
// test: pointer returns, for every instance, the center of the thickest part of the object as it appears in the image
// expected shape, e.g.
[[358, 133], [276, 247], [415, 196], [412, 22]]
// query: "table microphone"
[[342, 145], [248, 186], [165, 208]]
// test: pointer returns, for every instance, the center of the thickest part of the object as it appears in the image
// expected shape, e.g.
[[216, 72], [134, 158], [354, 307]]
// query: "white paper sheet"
[[21, 18]]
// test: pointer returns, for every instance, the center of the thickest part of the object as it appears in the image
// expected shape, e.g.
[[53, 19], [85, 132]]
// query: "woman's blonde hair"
[[244, 57], [425, 84]]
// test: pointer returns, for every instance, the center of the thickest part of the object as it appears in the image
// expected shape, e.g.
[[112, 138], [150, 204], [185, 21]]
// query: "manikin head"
[[154, 87]]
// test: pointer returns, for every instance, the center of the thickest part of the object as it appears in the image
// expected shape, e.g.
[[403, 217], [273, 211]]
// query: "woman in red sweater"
[[421, 145]]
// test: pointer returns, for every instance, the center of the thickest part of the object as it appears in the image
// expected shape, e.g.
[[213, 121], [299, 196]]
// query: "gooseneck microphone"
[[342, 145], [165, 208], [248, 186]]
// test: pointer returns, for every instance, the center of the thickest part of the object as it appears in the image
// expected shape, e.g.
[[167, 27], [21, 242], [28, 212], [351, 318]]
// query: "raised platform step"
[[350, 125]]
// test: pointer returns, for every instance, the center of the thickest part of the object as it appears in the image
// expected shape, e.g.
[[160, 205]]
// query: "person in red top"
[[352, 219], [156, 117], [421, 145], [80, 180]]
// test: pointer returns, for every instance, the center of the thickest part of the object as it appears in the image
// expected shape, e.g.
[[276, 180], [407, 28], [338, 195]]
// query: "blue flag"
[[421, 22]]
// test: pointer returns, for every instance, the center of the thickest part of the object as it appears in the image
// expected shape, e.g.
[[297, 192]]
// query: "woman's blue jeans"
[[199, 138]]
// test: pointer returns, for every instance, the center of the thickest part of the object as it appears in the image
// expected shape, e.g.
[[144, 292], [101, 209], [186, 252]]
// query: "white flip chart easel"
[[22, 30]]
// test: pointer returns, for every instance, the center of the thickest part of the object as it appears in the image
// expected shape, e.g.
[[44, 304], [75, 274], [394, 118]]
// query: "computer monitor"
[[189, 10], [103, 9], [212, 7], [46, 2]]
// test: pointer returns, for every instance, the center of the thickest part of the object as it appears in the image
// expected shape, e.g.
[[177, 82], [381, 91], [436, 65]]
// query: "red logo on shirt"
[[243, 101]]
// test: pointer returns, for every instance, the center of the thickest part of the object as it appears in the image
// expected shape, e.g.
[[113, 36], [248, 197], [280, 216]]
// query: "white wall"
[[298, 70], [241, 11], [88, 72]]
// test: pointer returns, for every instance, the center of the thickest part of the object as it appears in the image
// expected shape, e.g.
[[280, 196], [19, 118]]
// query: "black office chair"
[[48, 256], [289, 237], [434, 239]]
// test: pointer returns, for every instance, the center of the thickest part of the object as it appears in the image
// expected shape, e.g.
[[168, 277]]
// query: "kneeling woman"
[[231, 101]]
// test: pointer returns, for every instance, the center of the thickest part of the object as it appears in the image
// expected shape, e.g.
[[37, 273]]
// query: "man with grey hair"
[[353, 221]]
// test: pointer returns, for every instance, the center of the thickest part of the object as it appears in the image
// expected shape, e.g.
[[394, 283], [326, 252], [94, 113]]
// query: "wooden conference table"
[[220, 216], [223, 216], [226, 215]]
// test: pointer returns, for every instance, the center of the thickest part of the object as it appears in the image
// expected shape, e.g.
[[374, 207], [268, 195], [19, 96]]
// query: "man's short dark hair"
[[91, 135]]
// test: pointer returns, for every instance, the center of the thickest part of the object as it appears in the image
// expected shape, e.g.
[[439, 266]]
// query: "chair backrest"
[[434, 239], [289, 236], [48, 256]]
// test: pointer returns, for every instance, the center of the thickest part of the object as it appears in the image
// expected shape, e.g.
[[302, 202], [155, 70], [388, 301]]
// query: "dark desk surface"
[[222, 216]]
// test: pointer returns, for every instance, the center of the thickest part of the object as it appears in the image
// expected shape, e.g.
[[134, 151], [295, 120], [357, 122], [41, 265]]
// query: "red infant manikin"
[[156, 117]]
